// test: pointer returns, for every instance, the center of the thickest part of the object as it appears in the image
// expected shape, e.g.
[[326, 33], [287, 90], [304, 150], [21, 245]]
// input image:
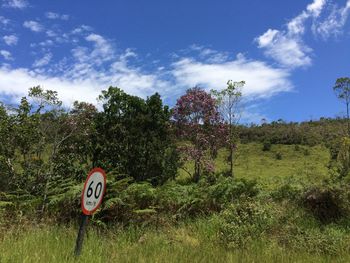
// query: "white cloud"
[[208, 54], [334, 23], [53, 15], [267, 38], [81, 29], [316, 7], [10, 40], [95, 64], [290, 52], [19, 4], [6, 54], [80, 77], [51, 33], [42, 61], [4, 21], [296, 26], [14, 83], [102, 50], [46, 43], [313, 10], [33, 25], [93, 68], [262, 80], [64, 17], [287, 46]]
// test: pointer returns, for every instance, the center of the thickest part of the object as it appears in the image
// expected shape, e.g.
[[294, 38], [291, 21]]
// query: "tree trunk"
[[196, 175], [231, 144], [347, 117], [48, 180], [231, 161]]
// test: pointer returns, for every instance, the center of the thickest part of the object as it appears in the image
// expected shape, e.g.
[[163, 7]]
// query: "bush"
[[266, 146], [334, 146], [328, 241], [128, 202], [181, 201], [243, 222], [306, 152], [287, 191], [228, 189], [343, 157], [326, 203], [278, 156]]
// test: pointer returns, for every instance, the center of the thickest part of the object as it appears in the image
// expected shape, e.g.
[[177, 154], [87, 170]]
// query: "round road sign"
[[94, 189]]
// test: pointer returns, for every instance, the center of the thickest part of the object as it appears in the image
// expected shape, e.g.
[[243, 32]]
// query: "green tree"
[[133, 137], [342, 91], [42, 128], [7, 149], [75, 155], [229, 106], [198, 121]]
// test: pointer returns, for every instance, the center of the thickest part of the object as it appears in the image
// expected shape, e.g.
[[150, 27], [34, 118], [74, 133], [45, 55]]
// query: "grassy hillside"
[[220, 221], [302, 163]]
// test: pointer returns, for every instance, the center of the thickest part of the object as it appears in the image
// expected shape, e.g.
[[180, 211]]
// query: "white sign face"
[[93, 191]]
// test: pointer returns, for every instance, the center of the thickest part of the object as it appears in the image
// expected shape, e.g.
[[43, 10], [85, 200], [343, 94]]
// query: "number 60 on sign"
[[94, 189]]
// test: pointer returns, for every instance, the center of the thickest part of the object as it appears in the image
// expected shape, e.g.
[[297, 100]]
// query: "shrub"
[[343, 157], [287, 191], [180, 201], [328, 241], [228, 189], [278, 156], [244, 221], [334, 146], [326, 203], [306, 152], [128, 202], [266, 146]]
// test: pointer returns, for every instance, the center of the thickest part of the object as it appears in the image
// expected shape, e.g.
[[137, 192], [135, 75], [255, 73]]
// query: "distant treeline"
[[310, 133]]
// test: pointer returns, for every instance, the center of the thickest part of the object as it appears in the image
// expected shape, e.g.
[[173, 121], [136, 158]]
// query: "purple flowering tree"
[[198, 121]]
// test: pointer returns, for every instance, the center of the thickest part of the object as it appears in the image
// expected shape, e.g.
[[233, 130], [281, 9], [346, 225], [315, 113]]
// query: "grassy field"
[[303, 163], [189, 242], [197, 240]]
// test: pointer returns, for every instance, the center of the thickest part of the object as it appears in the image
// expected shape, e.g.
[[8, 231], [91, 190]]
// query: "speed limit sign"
[[91, 199], [94, 189]]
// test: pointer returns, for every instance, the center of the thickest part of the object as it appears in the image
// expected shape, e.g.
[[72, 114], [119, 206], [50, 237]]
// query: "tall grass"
[[187, 242]]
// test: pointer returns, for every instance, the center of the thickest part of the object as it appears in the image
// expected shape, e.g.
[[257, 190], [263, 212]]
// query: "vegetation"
[[171, 196], [198, 120], [229, 106], [342, 90]]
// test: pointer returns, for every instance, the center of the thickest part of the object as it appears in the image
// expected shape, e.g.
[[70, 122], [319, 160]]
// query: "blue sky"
[[289, 52]]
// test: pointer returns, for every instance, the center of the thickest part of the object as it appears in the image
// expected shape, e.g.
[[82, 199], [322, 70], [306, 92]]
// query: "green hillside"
[[295, 162]]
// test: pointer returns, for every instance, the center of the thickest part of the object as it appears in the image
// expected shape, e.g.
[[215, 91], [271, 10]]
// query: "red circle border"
[[97, 169]]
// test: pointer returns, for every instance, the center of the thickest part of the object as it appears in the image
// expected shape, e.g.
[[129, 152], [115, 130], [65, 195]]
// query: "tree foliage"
[[229, 102], [198, 121], [133, 137], [342, 91]]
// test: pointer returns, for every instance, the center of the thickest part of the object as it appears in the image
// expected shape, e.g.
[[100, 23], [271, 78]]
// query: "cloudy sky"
[[289, 52]]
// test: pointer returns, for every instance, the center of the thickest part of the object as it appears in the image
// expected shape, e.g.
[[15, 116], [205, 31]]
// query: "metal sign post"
[[91, 199]]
